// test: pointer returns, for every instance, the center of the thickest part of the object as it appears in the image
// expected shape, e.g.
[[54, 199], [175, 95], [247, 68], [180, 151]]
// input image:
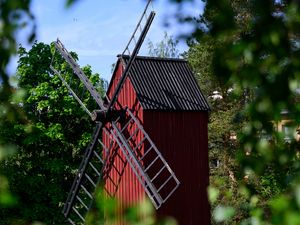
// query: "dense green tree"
[[263, 58], [14, 17], [252, 47], [51, 141], [224, 123]]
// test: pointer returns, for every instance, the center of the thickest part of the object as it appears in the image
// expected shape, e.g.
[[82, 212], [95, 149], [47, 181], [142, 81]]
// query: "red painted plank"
[[182, 139], [125, 187]]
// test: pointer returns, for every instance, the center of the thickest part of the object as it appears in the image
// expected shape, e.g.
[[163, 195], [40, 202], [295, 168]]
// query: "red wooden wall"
[[181, 136], [121, 182]]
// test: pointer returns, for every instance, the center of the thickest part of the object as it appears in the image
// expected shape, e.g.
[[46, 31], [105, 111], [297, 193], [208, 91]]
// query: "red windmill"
[[154, 118]]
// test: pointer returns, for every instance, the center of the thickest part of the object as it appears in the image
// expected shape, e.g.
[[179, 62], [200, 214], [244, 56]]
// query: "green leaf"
[[70, 2], [280, 203], [6, 151], [223, 213], [6, 198], [213, 194], [297, 194]]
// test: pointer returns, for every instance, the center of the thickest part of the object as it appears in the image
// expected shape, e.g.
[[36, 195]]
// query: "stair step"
[[170, 177], [86, 191], [149, 166], [146, 153], [90, 180], [71, 221], [78, 214], [98, 157], [134, 133], [159, 172], [82, 203], [139, 144], [125, 126], [93, 167]]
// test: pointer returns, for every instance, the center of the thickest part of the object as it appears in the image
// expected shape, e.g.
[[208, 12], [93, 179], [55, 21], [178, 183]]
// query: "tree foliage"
[[260, 60], [224, 124], [14, 17], [166, 48], [50, 141]]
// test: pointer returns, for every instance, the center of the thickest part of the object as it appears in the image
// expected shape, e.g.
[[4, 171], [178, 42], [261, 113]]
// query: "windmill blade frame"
[[150, 166], [71, 91], [81, 171], [134, 53], [79, 75]]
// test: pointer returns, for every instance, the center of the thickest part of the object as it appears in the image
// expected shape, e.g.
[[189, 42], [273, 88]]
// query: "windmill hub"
[[106, 116], [99, 115]]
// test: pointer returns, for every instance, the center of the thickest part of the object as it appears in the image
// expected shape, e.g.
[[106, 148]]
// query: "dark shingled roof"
[[165, 84]]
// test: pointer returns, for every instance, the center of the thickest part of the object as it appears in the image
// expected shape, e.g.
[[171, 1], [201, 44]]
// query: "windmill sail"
[[136, 42], [79, 84], [81, 194], [90, 173], [150, 167]]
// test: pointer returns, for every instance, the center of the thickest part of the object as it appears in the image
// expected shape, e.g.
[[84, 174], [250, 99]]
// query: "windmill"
[[111, 123]]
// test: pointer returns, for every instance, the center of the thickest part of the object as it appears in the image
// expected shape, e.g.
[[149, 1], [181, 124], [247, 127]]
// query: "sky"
[[99, 30]]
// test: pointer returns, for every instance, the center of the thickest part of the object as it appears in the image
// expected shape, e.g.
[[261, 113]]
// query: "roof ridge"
[[153, 58]]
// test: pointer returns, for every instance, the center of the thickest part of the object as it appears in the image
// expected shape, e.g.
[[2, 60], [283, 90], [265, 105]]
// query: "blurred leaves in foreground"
[[257, 55], [106, 211]]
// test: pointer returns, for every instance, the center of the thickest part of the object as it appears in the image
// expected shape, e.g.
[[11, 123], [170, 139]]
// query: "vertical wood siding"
[[182, 139], [120, 181]]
